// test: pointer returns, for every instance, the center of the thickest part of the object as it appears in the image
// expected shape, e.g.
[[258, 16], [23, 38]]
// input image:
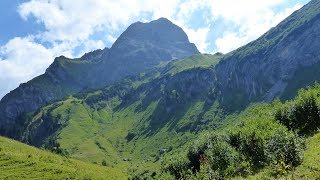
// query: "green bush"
[[176, 165], [222, 158], [214, 153], [104, 163], [251, 145], [197, 150], [285, 148], [242, 151], [302, 114], [205, 173]]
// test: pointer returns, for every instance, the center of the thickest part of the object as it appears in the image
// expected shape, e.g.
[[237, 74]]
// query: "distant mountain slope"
[[20, 161], [140, 47], [271, 66]]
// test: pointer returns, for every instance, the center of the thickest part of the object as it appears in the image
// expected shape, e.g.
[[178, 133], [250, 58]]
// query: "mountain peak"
[[161, 35], [161, 30], [162, 20]]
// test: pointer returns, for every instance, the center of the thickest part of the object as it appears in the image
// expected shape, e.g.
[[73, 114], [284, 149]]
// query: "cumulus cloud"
[[66, 20], [23, 60], [111, 39], [199, 37], [251, 18], [69, 28]]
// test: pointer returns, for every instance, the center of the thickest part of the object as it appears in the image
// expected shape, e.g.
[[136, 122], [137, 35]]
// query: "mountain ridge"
[[65, 76]]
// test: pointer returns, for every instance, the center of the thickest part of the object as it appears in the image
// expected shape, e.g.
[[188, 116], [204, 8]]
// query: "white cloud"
[[252, 19], [111, 39], [23, 60], [91, 45], [184, 11], [239, 11], [199, 37], [230, 41]]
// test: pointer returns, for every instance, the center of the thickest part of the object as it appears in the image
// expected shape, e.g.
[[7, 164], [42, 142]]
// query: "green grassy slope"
[[199, 60], [129, 123], [310, 167], [20, 161]]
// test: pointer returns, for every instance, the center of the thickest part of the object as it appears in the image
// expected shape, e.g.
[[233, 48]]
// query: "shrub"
[[302, 114], [284, 150], [222, 158], [205, 173], [104, 163], [244, 150], [215, 152], [176, 165], [196, 151], [250, 145]]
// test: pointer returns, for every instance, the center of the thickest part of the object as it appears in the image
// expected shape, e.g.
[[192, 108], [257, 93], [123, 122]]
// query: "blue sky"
[[33, 32]]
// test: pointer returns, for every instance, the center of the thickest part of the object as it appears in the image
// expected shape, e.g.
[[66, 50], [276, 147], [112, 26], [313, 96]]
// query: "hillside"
[[20, 161]]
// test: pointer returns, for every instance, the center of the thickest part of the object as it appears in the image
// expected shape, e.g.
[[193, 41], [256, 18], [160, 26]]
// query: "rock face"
[[263, 69], [140, 47], [162, 37]]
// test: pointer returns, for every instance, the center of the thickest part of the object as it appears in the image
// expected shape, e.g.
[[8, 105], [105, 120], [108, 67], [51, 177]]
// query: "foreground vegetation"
[[20, 161], [268, 140]]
